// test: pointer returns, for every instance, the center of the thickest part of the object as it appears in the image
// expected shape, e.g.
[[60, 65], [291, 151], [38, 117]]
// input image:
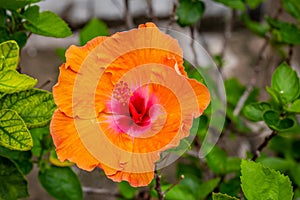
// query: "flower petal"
[[76, 55], [147, 25], [134, 179], [68, 144], [202, 93], [63, 90]]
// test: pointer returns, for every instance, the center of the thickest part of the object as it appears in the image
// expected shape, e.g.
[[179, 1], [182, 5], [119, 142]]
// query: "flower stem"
[[173, 185], [158, 186]]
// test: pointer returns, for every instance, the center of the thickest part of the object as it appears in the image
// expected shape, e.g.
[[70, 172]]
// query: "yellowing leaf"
[[34, 106], [9, 55], [13, 131], [12, 81]]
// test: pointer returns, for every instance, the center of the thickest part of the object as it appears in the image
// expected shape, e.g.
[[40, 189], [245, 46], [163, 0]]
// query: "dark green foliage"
[[61, 182], [13, 183], [94, 28], [189, 12]]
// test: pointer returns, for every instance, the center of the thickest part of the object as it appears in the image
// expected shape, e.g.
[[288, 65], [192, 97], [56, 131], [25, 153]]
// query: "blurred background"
[[220, 32]]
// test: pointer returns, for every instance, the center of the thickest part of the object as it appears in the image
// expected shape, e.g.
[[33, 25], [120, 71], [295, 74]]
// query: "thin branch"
[[263, 145], [158, 186], [192, 32], [278, 12], [128, 17], [29, 34], [100, 191], [252, 82], [228, 31], [46, 83], [97, 190], [173, 185], [203, 39], [173, 14], [151, 11]]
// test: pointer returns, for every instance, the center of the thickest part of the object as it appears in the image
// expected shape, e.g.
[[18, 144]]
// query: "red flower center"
[[139, 108], [133, 111]]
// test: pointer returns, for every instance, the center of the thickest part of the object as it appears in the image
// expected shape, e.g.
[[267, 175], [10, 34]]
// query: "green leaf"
[[231, 186], [286, 82], [15, 4], [297, 194], [284, 32], [4, 34], [189, 12], [219, 60], [2, 60], [190, 171], [220, 163], [47, 24], [21, 158], [191, 181], [254, 3], [178, 192], [278, 142], [20, 38], [294, 107], [274, 95], [94, 28], [220, 196], [31, 13], [38, 138], [295, 148], [234, 4], [234, 91], [12, 81], [254, 111], [13, 183], [207, 187], [295, 173], [61, 182], [13, 131], [126, 190], [257, 28], [34, 106], [233, 164], [216, 160], [275, 163], [275, 122], [261, 183], [10, 52], [3, 18], [292, 7]]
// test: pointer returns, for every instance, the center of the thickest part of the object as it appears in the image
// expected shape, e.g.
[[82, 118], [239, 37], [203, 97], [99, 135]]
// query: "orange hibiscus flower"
[[122, 101]]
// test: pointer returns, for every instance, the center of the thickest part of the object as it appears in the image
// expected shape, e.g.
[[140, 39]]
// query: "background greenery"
[[271, 171]]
